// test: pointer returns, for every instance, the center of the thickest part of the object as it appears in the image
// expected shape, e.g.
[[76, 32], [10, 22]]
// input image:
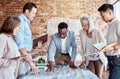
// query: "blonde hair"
[[88, 20]]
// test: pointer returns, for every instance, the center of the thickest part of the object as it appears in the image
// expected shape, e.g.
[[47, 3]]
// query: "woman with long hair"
[[9, 54]]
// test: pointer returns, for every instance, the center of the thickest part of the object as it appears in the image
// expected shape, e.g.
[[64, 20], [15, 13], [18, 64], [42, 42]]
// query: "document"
[[19, 56], [100, 46], [103, 58], [42, 38]]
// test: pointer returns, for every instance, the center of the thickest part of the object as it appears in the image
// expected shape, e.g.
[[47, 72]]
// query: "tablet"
[[42, 38]]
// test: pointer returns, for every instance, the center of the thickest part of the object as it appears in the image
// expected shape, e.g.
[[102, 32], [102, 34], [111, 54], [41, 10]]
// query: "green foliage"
[[41, 61]]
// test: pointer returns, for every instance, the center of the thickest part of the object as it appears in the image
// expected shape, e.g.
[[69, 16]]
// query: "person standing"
[[24, 38], [66, 47], [90, 35], [9, 53], [113, 35]]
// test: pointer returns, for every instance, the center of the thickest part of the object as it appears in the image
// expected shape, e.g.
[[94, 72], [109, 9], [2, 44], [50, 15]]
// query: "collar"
[[110, 23], [25, 18]]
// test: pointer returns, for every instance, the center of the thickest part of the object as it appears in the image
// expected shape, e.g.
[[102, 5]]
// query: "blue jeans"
[[114, 67]]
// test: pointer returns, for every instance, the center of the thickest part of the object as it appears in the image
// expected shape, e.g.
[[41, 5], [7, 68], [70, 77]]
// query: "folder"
[[100, 46]]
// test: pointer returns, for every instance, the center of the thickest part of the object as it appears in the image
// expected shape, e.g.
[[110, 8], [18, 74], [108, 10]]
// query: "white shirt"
[[90, 49], [63, 45], [8, 50], [113, 35]]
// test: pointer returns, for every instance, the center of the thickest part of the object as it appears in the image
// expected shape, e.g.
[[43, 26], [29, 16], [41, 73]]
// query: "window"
[[116, 4]]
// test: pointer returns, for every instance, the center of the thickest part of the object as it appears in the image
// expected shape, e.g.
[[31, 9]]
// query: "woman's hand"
[[18, 58], [34, 68], [94, 55], [83, 65]]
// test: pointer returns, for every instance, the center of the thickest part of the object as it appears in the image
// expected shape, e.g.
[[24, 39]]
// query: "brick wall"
[[72, 9], [59, 9]]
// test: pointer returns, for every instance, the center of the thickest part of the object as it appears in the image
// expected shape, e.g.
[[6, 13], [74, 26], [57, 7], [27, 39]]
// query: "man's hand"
[[39, 44], [107, 48], [72, 65], [50, 67]]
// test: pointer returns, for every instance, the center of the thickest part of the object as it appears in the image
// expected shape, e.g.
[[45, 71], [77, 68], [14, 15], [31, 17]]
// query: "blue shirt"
[[24, 37]]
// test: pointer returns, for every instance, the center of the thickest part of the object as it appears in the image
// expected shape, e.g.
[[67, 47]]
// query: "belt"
[[64, 53], [114, 56]]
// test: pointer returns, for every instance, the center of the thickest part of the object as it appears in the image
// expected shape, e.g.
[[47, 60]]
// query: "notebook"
[[100, 46], [42, 38]]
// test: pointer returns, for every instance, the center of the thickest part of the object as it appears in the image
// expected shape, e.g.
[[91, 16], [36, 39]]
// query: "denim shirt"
[[24, 37]]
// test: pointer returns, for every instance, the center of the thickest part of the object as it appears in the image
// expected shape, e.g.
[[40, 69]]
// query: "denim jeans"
[[114, 67]]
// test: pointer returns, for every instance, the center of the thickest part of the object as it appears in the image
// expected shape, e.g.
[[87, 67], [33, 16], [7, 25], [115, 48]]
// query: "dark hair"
[[9, 24], [105, 7], [62, 25], [29, 6]]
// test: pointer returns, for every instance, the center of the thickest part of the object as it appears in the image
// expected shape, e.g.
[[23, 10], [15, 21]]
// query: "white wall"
[[116, 7], [52, 25]]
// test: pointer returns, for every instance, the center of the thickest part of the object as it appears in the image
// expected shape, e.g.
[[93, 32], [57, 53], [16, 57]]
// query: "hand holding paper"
[[109, 47], [19, 57], [102, 47]]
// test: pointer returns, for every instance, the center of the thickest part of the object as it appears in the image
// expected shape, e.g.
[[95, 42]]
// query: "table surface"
[[62, 73]]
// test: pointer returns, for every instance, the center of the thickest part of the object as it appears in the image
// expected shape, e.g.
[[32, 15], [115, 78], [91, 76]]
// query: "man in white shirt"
[[66, 47], [113, 35]]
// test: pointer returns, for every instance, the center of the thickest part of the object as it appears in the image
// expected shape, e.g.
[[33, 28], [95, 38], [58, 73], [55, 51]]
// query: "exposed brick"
[[72, 9]]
